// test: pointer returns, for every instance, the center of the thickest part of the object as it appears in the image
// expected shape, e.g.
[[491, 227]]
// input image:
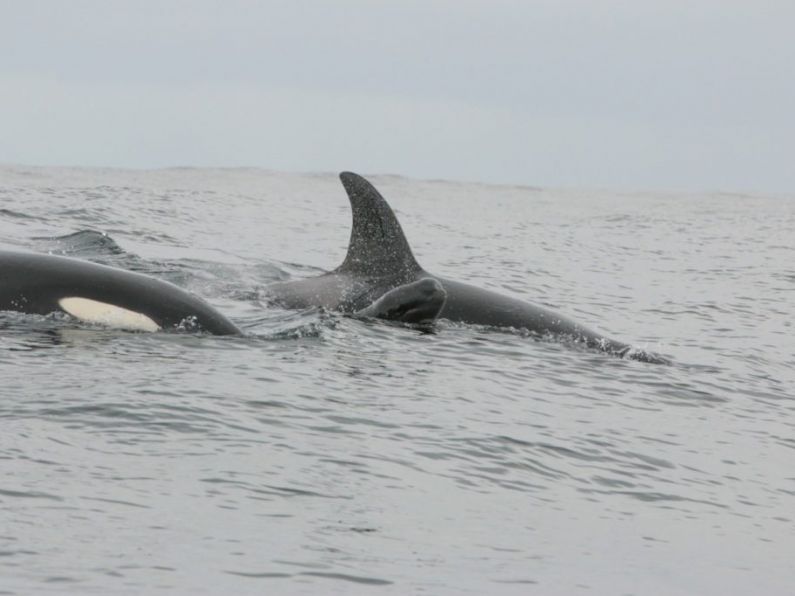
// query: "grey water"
[[320, 454]]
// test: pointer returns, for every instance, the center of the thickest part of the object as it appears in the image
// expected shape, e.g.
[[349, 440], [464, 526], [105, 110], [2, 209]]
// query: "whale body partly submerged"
[[42, 284], [380, 259]]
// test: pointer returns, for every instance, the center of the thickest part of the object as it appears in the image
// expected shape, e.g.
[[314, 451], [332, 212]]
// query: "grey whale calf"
[[379, 259], [42, 284]]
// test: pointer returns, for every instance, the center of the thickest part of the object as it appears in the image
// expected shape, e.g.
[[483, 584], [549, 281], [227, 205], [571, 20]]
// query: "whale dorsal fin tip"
[[377, 246]]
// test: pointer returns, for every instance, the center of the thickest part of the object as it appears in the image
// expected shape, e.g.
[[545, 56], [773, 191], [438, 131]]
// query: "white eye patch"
[[117, 317]]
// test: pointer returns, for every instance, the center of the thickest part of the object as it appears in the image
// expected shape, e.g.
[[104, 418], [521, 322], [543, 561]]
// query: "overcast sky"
[[666, 94]]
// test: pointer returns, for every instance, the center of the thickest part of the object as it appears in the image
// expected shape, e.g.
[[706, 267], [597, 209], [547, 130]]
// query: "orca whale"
[[42, 284], [94, 293], [380, 259]]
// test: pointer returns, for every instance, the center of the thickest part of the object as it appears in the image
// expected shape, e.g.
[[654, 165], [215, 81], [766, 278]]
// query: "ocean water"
[[325, 455]]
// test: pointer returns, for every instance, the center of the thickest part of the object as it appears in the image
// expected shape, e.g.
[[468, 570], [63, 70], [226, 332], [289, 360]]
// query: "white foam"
[[93, 311]]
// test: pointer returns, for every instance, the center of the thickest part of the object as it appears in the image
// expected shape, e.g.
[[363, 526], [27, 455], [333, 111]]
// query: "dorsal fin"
[[378, 246]]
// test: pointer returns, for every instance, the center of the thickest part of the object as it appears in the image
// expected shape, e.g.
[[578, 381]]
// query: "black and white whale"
[[94, 293], [380, 259]]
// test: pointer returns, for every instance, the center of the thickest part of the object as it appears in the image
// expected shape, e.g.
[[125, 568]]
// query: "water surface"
[[321, 454]]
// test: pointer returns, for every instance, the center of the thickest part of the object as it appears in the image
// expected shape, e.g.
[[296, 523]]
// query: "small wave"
[[279, 324], [653, 497], [372, 581], [311, 330], [22, 494], [84, 243], [18, 214], [348, 578]]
